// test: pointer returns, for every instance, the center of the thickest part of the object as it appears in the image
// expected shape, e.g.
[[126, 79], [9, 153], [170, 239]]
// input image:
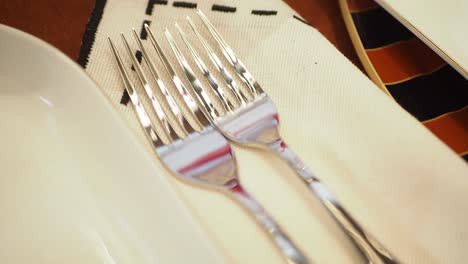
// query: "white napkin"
[[396, 178]]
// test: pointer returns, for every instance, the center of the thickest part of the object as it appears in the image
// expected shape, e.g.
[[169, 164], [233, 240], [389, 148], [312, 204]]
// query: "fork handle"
[[274, 231], [374, 252]]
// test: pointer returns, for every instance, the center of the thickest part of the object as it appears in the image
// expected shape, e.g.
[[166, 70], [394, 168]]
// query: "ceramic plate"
[[76, 186]]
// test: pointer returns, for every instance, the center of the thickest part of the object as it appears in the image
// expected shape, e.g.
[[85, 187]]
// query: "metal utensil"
[[199, 156], [255, 122]]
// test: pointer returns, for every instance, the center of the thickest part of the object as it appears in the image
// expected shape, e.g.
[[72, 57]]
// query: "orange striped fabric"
[[452, 128], [404, 60], [401, 61]]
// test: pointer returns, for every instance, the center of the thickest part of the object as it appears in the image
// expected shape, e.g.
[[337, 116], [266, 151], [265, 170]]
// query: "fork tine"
[[143, 117], [201, 119], [231, 57], [240, 96], [202, 66], [149, 92], [162, 87], [196, 84]]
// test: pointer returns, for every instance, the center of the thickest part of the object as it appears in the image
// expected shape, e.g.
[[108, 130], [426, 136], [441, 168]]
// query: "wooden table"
[[62, 23]]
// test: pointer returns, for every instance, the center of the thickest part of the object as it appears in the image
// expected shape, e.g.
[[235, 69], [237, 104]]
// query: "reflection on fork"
[[199, 156], [255, 122]]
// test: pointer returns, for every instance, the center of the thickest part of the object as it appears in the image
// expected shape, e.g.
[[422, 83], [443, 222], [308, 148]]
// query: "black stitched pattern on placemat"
[[143, 33], [151, 3], [138, 56], [264, 12], [125, 98], [184, 4], [302, 20], [90, 33], [223, 8]]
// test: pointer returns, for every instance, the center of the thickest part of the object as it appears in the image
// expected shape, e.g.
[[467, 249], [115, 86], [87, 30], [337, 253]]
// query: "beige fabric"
[[400, 181]]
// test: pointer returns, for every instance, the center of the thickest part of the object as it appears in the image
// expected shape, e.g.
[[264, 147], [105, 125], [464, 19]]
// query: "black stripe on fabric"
[[184, 4], [429, 96], [151, 3], [302, 20], [143, 33], [223, 8], [465, 157], [138, 56], [125, 98], [90, 33], [264, 12], [377, 28]]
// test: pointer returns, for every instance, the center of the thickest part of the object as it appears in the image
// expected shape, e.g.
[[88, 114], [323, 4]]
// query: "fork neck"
[[257, 123]]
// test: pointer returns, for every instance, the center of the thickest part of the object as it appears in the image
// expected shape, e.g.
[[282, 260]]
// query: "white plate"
[[441, 24], [75, 185]]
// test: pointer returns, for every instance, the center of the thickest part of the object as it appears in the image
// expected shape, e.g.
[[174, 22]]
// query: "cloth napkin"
[[398, 180]]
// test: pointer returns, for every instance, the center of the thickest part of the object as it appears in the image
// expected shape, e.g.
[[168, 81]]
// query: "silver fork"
[[256, 123], [200, 156]]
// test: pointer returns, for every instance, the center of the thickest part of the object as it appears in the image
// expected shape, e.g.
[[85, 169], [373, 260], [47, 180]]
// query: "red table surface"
[[62, 23]]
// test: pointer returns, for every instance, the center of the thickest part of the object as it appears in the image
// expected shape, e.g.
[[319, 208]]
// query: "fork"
[[255, 122], [203, 156]]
